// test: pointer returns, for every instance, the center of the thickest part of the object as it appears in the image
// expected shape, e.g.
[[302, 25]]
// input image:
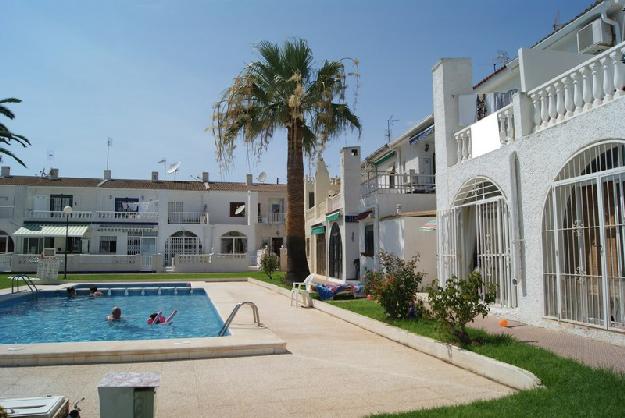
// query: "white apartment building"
[[135, 225], [384, 203], [531, 175]]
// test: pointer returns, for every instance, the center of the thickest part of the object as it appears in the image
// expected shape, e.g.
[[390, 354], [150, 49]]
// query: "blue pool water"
[[53, 317]]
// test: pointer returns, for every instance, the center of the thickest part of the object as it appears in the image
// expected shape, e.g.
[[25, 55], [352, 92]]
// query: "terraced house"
[[531, 174], [133, 225]]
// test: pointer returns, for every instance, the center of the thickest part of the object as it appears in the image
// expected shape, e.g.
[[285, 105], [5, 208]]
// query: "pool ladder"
[[224, 329], [27, 280]]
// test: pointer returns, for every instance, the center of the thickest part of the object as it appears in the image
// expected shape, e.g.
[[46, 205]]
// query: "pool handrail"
[[224, 329]]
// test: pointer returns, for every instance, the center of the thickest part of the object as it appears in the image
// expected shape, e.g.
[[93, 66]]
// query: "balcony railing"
[[273, 219], [593, 83], [187, 218], [335, 202], [398, 183], [93, 216]]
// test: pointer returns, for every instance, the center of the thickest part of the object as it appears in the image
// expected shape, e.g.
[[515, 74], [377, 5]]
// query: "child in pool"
[[116, 314], [94, 292], [158, 318]]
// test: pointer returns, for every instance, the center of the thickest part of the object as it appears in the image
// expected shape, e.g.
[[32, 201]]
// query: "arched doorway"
[[6, 243], [183, 243], [475, 235], [335, 252], [584, 238]]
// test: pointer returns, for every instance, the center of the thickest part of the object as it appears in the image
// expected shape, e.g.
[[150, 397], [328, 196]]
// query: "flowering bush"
[[396, 286], [460, 302]]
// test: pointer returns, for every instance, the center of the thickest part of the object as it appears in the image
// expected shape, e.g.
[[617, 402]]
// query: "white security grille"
[[583, 239], [182, 243], [475, 235]]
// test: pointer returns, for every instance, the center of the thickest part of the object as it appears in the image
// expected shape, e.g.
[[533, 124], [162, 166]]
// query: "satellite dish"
[[239, 210], [262, 177], [163, 161], [174, 167]]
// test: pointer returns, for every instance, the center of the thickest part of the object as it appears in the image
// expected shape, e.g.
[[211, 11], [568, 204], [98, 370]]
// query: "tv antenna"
[[174, 168], [556, 21], [262, 177], [389, 123], [109, 144], [164, 162], [501, 59]]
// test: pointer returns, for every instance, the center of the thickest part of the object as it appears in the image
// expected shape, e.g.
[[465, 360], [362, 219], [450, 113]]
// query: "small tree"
[[396, 286], [460, 302], [269, 264]]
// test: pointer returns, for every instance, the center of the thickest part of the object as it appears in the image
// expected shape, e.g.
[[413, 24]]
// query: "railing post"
[[568, 97], [469, 144], [587, 88], [560, 109], [553, 111], [597, 89], [619, 71], [537, 111], [608, 78], [510, 121], [578, 98], [459, 144], [544, 104]]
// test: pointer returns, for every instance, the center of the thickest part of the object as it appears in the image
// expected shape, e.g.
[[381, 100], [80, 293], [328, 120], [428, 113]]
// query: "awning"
[[419, 136], [429, 226], [51, 231], [384, 158], [365, 214], [334, 216], [318, 230]]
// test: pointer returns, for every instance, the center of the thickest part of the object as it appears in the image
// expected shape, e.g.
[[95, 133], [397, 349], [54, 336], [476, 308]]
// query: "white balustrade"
[[187, 218], [335, 202], [505, 119], [463, 139], [593, 83]]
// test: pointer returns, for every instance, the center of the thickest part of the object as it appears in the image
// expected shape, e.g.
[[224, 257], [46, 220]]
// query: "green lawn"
[[570, 388], [101, 277]]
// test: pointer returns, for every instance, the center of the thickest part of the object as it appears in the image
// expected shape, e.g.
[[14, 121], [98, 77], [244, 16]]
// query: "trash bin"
[[128, 395]]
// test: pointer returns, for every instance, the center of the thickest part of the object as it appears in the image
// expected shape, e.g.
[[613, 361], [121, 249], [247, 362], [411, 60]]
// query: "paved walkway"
[[586, 350], [334, 369]]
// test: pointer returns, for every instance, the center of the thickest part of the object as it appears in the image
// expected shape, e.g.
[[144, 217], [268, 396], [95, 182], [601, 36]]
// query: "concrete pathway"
[[334, 369], [586, 350]]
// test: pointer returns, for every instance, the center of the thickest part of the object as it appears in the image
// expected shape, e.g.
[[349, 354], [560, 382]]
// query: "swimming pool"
[[53, 317]]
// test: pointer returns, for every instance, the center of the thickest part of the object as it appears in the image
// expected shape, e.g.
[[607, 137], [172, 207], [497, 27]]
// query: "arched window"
[[233, 242], [6, 243], [474, 235], [182, 243], [584, 238], [335, 252]]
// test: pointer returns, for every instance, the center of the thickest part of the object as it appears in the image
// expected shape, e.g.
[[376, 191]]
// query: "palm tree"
[[6, 136], [282, 90]]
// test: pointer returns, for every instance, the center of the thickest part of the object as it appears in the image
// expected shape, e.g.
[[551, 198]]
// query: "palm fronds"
[[6, 136]]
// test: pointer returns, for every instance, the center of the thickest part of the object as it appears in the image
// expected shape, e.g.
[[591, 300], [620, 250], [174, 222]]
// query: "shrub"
[[460, 302], [269, 264], [396, 286]]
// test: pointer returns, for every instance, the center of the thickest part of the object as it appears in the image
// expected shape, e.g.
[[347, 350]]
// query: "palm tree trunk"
[[297, 265]]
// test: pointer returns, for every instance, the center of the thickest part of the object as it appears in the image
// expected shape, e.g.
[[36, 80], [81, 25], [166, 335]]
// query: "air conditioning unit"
[[49, 252], [594, 37]]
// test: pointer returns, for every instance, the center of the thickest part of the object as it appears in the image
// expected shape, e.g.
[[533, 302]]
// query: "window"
[[6, 243], [133, 246], [335, 252], [59, 201], [126, 204], [369, 244], [311, 199], [33, 245], [108, 245], [237, 209], [233, 242], [74, 245]]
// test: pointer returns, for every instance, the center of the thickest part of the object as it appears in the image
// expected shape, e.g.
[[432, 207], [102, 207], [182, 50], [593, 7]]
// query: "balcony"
[[92, 216], [590, 85], [273, 219], [187, 218], [335, 202], [398, 183]]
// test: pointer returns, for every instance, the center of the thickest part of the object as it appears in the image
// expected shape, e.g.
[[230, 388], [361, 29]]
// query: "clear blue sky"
[[146, 72]]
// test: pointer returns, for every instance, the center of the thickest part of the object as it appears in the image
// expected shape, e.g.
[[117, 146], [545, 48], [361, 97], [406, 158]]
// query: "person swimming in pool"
[[116, 314], [94, 292], [71, 292], [158, 318]]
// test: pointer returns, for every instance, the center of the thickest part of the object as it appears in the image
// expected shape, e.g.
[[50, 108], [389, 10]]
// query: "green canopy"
[[384, 158], [334, 216], [318, 230]]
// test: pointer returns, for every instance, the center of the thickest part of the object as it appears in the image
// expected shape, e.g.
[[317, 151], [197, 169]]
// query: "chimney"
[[5, 171], [205, 176], [107, 174], [54, 173], [277, 180], [154, 175], [249, 179]]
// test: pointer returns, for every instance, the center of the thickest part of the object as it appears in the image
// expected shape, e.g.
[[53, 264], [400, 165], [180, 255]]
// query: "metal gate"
[[183, 244], [447, 224], [584, 239]]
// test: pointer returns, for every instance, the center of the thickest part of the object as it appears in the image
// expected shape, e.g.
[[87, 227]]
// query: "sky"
[[147, 72]]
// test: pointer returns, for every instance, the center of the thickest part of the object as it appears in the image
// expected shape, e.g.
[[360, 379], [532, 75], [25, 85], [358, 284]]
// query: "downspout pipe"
[[604, 17]]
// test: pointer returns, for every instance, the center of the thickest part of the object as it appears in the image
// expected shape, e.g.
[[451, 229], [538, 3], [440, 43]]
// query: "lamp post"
[[67, 210]]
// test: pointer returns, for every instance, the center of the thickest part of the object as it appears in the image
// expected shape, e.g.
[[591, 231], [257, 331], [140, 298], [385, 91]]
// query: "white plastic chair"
[[301, 290]]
